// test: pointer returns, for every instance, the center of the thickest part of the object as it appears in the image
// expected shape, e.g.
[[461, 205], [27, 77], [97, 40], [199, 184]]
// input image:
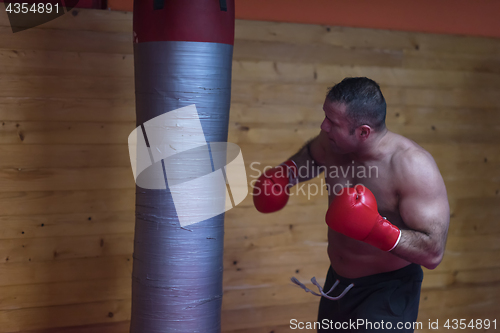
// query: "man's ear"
[[364, 131]]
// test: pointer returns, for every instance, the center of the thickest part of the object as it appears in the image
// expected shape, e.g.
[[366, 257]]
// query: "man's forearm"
[[419, 248], [308, 168]]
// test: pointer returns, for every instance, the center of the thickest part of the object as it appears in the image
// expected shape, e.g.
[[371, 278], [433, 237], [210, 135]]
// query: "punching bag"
[[182, 56]]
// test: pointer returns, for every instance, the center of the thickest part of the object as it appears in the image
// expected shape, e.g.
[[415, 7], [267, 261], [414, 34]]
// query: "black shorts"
[[391, 297]]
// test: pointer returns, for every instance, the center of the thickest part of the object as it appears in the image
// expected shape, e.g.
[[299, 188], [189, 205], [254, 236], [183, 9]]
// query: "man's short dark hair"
[[365, 104]]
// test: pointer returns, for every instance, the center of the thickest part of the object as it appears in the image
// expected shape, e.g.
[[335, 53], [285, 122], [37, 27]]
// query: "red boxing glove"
[[354, 213], [270, 192]]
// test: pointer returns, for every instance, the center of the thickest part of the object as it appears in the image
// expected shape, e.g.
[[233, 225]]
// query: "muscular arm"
[[424, 208], [310, 158]]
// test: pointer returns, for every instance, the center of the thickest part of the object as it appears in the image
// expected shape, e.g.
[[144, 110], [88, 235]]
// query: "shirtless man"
[[411, 197]]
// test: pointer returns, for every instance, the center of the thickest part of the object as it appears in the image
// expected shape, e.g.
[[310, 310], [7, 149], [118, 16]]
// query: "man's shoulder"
[[411, 161], [408, 151]]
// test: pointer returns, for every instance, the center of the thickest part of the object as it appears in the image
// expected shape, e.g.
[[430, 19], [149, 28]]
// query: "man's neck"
[[374, 149]]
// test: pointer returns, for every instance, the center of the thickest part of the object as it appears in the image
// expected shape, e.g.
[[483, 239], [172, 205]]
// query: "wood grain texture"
[[67, 109], [67, 196], [118, 327]]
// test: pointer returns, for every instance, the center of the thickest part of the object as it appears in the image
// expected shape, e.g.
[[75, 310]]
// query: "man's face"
[[337, 126]]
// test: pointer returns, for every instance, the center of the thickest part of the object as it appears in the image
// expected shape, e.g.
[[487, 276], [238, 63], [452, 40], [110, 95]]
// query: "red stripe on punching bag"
[[184, 20]]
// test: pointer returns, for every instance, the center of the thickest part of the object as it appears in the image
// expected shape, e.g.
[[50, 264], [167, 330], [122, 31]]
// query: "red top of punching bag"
[[184, 20]]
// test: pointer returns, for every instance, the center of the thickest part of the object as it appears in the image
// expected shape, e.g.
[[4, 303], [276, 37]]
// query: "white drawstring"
[[322, 293]]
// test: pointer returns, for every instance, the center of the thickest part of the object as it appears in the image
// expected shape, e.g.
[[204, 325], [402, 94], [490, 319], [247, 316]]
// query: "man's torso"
[[351, 258]]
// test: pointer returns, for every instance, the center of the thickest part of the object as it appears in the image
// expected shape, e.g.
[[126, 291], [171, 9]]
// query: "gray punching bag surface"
[[183, 56]]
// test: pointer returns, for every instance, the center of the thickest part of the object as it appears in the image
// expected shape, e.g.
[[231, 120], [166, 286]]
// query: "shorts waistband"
[[407, 271]]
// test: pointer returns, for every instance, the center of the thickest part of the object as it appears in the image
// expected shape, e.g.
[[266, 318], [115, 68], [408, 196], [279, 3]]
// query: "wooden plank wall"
[[67, 191]]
